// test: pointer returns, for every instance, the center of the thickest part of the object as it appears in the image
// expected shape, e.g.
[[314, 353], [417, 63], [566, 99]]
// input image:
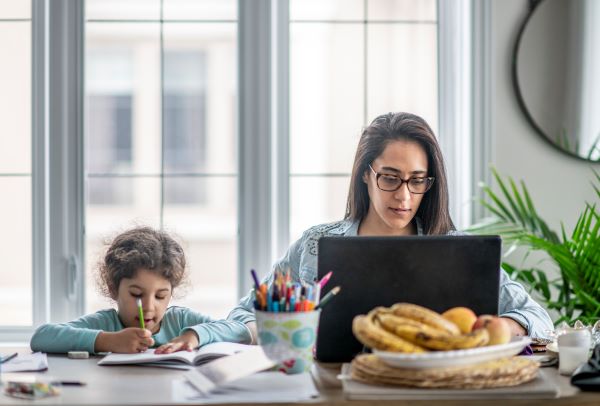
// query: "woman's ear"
[[365, 177]]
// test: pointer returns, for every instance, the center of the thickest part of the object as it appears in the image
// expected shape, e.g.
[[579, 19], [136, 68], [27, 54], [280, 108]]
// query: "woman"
[[398, 187]]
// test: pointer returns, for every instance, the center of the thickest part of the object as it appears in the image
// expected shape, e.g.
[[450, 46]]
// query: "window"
[[15, 164], [351, 60], [149, 126], [160, 136]]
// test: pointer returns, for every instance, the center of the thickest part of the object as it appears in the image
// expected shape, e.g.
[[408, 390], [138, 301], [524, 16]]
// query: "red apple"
[[498, 328]]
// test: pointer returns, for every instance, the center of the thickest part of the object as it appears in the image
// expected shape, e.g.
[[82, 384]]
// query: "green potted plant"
[[575, 293]]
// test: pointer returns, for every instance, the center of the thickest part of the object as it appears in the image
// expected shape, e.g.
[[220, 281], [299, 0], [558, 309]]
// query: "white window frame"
[[263, 135]]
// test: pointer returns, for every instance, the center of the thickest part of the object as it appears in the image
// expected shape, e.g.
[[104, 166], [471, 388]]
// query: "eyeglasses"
[[391, 183]]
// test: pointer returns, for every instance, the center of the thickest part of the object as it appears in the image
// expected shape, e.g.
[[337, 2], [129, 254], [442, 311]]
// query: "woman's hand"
[[128, 340], [188, 341], [515, 328]]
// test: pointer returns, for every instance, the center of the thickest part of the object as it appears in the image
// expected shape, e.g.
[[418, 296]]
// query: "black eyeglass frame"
[[430, 180]]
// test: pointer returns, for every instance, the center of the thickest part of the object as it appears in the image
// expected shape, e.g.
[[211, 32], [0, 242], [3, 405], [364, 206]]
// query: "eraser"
[[78, 354]]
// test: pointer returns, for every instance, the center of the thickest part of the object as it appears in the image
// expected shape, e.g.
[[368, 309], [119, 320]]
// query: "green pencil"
[[141, 313], [328, 297]]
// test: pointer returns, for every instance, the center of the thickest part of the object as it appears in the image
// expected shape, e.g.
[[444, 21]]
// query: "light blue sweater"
[[301, 257], [80, 334]]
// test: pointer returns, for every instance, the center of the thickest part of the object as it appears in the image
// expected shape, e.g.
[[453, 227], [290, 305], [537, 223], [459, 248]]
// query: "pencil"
[[8, 357], [328, 297], [141, 313]]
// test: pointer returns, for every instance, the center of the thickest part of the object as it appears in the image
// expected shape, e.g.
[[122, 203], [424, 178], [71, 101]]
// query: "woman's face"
[[391, 213]]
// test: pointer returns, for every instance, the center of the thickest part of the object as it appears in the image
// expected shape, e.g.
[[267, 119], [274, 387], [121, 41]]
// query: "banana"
[[390, 323], [426, 316], [430, 338], [372, 335]]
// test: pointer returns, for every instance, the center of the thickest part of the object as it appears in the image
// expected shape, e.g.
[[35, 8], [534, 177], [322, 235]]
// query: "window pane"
[[389, 10], [123, 98], [132, 201], [122, 9], [15, 9], [407, 81], [208, 229], [15, 103], [327, 9], [316, 200], [16, 252], [200, 96], [326, 96], [200, 9]]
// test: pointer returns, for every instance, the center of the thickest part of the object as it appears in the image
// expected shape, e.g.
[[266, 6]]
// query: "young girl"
[[144, 264], [398, 187]]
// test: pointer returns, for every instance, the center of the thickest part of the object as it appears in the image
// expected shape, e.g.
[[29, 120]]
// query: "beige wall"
[[559, 184]]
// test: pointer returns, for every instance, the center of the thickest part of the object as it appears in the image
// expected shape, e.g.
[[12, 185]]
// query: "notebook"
[[438, 272], [177, 360]]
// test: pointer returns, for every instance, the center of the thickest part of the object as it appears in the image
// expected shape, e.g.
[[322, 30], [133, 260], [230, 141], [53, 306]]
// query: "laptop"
[[438, 272]]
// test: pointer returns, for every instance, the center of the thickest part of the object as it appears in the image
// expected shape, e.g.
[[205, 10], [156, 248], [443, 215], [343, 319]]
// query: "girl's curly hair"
[[141, 248]]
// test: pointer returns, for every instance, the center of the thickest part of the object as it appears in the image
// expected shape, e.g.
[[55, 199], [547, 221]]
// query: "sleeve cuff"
[[519, 318], [88, 340]]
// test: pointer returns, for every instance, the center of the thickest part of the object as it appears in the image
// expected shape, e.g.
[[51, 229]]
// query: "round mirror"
[[556, 74]]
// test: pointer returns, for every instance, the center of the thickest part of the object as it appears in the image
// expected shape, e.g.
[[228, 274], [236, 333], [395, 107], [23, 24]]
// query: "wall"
[[559, 184]]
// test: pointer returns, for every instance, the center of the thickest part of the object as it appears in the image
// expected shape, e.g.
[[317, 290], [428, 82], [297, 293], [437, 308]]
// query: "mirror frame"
[[533, 6]]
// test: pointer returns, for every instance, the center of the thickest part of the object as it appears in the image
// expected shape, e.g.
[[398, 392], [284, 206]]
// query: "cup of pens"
[[287, 320]]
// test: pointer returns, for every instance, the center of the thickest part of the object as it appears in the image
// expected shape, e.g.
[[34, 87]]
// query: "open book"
[[178, 360]]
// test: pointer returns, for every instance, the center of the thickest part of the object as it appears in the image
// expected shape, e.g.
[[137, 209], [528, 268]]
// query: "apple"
[[463, 317], [497, 327]]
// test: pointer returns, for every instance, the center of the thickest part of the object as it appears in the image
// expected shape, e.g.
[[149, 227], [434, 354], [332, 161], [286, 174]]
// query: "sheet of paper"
[[263, 387], [23, 362], [227, 369]]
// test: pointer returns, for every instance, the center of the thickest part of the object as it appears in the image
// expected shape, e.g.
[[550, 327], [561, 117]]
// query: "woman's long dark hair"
[[386, 128]]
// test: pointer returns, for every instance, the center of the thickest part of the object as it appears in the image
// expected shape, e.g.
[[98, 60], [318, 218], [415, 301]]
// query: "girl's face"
[[155, 292], [391, 213]]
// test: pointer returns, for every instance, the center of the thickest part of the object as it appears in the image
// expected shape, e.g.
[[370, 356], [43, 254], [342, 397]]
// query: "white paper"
[[263, 387], [205, 353], [37, 361], [227, 369]]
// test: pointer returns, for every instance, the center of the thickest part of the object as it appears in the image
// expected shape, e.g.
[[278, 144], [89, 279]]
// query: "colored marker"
[[141, 313], [256, 282], [328, 297], [325, 279]]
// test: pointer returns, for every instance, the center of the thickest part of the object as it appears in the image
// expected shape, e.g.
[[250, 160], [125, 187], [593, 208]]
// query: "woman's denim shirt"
[[301, 258]]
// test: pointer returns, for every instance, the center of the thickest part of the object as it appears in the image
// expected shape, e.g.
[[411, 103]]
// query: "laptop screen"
[[438, 272]]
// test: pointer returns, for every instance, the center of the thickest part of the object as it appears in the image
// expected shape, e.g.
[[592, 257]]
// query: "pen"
[[328, 297], [69, 383], [8, 358], [325, 279], [141, 313]]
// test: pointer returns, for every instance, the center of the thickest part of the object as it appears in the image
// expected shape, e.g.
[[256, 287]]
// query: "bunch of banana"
[[408, 327], [368, 331]]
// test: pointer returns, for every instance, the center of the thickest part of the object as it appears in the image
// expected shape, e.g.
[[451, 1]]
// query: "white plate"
[[435, 359]]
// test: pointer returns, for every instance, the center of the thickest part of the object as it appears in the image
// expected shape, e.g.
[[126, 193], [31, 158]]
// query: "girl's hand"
[[128, 340], [188, 341]]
